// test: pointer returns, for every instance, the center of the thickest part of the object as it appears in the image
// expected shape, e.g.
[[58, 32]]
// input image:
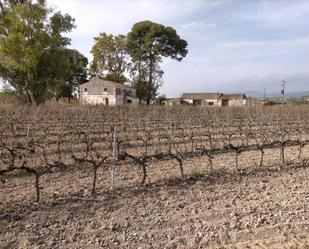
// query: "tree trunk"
[[37, 187], [95, 168], [282, 153], [209, 156], [144, 174], [180, 161], [150, 82], [30, 92], [32, 97], [262, 157]]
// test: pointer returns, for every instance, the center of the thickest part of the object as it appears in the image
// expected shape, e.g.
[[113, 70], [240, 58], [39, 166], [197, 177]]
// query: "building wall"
[[204, 102], [210, 102], [98, 99], [112, 100], [171, 102], [134, 101], [237, 102], [189, 101], [219, 102], [96, 92], [97, 88]]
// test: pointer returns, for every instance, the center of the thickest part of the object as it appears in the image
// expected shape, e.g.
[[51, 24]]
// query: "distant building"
[[173, 102], [215, 99], [204, 99], [236, 99], [306, 98], [98, 91]]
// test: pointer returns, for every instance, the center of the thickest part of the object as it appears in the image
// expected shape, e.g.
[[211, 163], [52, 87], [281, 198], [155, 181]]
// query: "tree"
[[31, 44], [68, 66], [148, 43], [160, 99], [139, 72], [110, 57]]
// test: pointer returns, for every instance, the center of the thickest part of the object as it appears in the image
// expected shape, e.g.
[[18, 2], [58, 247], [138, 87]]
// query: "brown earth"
[[258, 208]]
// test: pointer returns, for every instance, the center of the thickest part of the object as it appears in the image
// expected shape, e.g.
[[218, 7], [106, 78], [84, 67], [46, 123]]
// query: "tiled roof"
[[200, 95], [233, 96], [213, 96], [101, 81]]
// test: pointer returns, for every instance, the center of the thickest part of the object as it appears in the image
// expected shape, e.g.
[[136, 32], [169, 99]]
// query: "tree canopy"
[[148, 43], [33, 54], [35, 59], [110, 57]]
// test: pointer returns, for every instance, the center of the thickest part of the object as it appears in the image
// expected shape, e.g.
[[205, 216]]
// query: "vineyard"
[[127, 148]]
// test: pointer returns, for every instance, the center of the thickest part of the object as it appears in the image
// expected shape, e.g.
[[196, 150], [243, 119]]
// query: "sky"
[[234, 45]]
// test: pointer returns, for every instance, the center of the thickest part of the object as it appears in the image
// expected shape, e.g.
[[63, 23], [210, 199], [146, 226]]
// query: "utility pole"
[[282, 126], [264, 96], [282, 93]]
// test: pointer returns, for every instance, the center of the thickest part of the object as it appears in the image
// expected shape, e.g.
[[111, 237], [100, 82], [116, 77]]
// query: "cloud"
[[94, 16], [279, 13], [197, 25], [118, 16], [233, 44]]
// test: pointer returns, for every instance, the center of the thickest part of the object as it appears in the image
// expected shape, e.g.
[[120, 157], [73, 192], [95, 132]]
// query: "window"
[[105, 89], [129, 101], [197, 102], [118, 91], [85, 89], [210, 103]]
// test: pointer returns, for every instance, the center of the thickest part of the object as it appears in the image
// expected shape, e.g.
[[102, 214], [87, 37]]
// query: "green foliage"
[[139, 72], [33, 54], [148, 43], [159, 100], [152, 41], [110, 58]]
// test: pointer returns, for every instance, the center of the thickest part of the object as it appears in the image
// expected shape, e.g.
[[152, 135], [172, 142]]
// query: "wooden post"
[[114, 157]]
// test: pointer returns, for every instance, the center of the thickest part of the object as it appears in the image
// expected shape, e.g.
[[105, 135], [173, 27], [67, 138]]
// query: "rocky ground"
[[258, 208]]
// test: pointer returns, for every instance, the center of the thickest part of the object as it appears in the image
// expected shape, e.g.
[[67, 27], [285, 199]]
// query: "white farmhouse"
[[215, 99], [98, 91]]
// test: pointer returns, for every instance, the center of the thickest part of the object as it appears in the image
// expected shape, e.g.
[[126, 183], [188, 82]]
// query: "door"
[[197, 102], [225, 102]]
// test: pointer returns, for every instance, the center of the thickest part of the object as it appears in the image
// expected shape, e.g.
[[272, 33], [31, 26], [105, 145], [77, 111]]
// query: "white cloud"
[[279, 13], [118, 16], [197, 25], [232, 44]]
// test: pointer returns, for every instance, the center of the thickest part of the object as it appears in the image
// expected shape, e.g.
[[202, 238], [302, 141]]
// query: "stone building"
[[98, 91], [173, 102], [236, 99], [215, 99], [306, 98]]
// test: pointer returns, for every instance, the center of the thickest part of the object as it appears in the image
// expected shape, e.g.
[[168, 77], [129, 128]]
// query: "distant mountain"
[[254, 94], [298, 94]]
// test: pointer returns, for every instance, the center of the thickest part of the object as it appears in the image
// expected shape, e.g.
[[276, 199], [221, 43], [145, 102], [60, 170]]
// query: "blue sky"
[[234, 45]]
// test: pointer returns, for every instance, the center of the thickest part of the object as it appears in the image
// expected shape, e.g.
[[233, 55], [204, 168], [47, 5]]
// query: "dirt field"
[[258, 208]]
